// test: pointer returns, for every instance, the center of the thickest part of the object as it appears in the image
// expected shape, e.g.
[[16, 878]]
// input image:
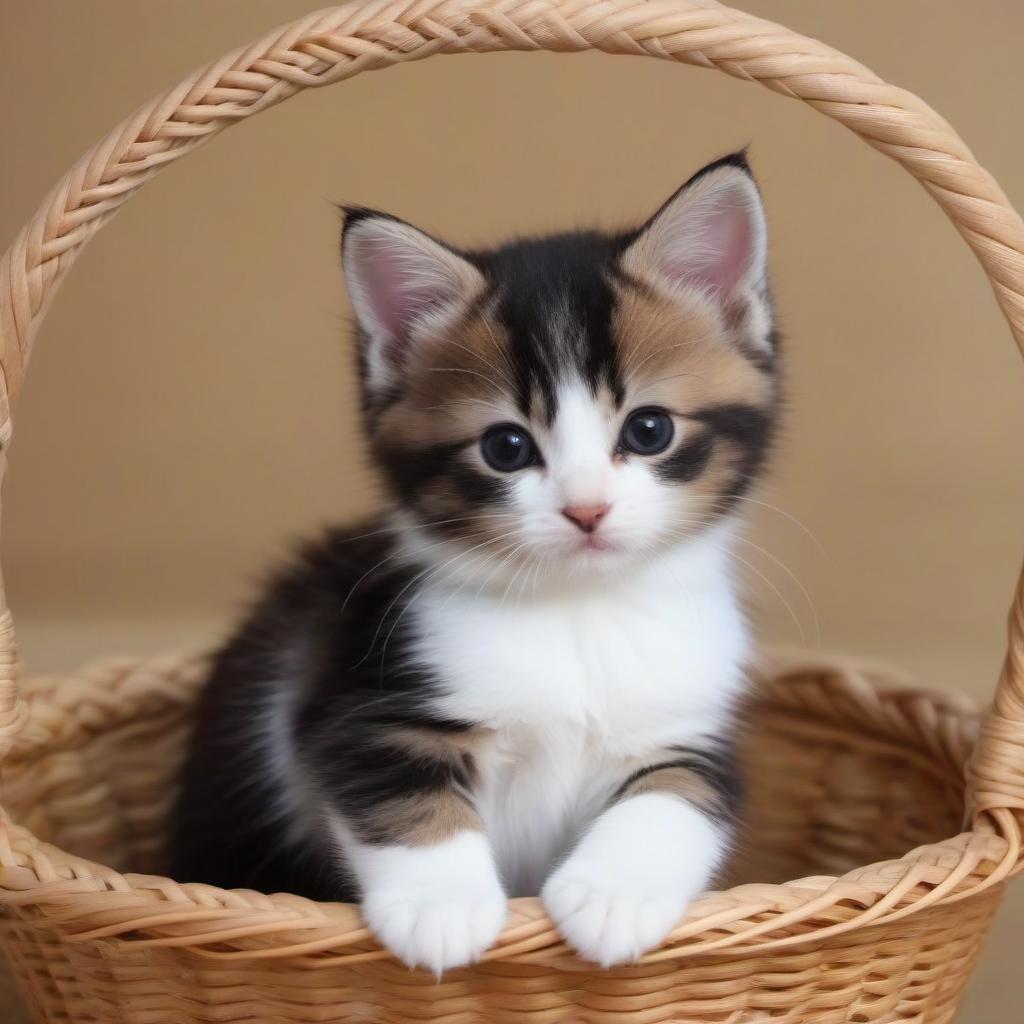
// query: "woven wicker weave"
[[860, 787]]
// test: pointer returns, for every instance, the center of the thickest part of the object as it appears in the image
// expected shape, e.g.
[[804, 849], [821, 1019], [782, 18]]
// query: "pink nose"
[[586, 517]]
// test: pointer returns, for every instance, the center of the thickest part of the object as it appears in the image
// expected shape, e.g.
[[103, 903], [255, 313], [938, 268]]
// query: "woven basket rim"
[[336, 43], [224, 924]]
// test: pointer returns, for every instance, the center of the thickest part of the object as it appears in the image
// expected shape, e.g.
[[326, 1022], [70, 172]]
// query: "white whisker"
[[781, 511], [481, 357], [427, 574], [778, 593], [460, 369], [515, 576]]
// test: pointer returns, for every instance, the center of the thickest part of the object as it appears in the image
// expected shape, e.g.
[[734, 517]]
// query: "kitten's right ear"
[[401, 283]]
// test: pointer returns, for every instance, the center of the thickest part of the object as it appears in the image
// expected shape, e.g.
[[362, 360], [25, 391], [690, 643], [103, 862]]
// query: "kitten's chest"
[[620, 672], [575, 697]]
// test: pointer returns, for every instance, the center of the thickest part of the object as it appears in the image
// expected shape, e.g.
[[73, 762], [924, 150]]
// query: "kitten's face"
[[570, 405]]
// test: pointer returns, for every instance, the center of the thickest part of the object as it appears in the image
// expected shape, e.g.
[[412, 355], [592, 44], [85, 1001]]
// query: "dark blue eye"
[[647, 432], [508, 448]]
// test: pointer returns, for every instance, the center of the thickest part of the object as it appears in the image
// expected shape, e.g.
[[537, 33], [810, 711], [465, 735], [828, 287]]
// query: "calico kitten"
[[521, 679]]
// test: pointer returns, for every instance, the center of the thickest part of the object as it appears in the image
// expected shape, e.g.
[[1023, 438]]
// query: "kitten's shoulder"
[[340, 574], [337, 560]]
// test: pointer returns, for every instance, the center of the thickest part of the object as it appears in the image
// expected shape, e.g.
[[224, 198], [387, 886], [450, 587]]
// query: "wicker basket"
[[850, 771]]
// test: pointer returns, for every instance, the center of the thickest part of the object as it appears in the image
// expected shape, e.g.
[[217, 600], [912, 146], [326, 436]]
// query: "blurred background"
[[191, 409]]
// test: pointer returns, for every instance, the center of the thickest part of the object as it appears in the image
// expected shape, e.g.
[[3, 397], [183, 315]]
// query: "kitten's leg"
[[630, 878], [410, 835]]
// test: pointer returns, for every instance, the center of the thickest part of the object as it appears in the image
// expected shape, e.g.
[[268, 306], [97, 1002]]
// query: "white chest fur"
[[578, 690]]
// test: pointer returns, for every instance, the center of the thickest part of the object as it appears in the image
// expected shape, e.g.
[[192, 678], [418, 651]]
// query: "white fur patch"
[[628, 883], [580, 687], [436, 906]]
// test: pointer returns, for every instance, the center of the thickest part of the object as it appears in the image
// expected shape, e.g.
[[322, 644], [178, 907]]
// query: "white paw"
[[609, 918], [632, 876], [436, 911], [437, 928]]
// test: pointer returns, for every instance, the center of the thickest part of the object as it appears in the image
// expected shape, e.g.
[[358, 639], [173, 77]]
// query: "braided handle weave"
[[337, 43]]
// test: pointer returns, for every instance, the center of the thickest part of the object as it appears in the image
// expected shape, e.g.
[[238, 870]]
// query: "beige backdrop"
[[191, 405]]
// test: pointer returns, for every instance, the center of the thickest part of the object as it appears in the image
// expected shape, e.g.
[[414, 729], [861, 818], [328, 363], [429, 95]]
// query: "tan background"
[[191, 403]]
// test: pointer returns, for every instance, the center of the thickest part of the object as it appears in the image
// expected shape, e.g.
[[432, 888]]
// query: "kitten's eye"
[[508, 448], [647, 432]]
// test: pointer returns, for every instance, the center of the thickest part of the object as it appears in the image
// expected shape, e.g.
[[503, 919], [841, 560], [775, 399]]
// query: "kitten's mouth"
[[592, 542]]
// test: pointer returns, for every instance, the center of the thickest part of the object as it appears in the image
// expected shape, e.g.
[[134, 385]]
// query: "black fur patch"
[[689, 459], [751, 431], [332, 624], [715, 766], [347, 747], [554, 296], [410, 470]]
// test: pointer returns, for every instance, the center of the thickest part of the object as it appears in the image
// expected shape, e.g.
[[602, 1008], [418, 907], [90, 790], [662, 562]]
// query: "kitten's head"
[[572, 403]]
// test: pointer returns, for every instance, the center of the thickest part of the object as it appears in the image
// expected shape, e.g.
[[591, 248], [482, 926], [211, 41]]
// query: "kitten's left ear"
[[711, 237]]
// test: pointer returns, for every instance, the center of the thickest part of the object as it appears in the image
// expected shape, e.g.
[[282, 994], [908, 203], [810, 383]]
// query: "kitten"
[[520, 679]]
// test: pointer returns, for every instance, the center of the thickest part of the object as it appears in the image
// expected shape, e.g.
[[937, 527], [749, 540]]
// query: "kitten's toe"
[[438, 930], [612, 920]]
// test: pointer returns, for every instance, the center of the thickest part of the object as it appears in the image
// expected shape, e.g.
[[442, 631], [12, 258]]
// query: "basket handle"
[[337, 43]]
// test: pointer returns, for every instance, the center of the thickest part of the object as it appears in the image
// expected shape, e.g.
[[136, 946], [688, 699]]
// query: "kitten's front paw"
[[608, 917], [438, 928], [629, 881], [439, 908]]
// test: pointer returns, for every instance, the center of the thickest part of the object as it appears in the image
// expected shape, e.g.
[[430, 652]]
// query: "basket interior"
[[96, 776]]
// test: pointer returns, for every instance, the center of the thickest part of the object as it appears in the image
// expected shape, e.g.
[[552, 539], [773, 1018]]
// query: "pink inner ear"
[[730, 239], [398, 300], [720, 252], [400, 287]]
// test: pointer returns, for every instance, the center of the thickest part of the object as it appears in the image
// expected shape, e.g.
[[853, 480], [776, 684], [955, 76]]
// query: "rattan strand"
[[893, 940]]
